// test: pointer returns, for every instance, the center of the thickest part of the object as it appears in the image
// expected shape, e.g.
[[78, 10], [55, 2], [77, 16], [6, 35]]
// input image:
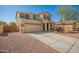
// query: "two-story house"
[[33, 22]]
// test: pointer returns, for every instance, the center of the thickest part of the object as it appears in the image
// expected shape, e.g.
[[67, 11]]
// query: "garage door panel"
[[33, 28]]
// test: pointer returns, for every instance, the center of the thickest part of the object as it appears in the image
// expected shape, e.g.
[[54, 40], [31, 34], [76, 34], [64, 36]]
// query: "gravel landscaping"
[[20, 43]]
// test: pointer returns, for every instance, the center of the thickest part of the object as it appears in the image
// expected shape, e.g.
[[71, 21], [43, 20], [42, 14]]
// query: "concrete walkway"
[[61, 43]]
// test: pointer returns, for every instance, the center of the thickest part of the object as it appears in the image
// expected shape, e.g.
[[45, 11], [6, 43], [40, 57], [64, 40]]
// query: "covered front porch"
[[46, 26]]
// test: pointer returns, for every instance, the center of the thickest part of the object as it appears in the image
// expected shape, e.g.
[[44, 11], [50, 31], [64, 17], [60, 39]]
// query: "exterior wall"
[[65, 27], [25, 25], [68, 28], [76, 26], [18, 21], [1, 28]]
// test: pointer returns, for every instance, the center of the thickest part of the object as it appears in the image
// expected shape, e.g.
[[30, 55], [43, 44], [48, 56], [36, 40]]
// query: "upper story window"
[[48, 17], [21, 15], [34, 17], [27, 16], [45, 17]]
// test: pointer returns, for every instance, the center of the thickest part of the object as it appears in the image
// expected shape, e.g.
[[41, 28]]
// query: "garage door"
[[33, 28]]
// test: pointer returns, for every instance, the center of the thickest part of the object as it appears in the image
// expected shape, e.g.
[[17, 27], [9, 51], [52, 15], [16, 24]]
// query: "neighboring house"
[[33, 22], [3, 23]]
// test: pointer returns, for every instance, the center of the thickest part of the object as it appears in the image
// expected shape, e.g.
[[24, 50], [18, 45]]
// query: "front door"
[[43, 27], [47, 26]]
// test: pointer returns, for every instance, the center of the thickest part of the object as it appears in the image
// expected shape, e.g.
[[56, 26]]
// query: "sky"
[[8, 12]]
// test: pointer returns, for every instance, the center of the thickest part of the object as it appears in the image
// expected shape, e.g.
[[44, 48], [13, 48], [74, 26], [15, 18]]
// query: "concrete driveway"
[[61, 43]]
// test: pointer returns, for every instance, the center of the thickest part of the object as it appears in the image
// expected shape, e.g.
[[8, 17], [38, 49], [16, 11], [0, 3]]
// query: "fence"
[[10, 29], [1, 28]]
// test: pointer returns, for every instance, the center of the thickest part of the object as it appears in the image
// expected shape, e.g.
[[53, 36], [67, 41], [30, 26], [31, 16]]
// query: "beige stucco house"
[[33, 22]]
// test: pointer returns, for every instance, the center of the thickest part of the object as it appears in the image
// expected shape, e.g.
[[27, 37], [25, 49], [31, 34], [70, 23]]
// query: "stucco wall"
[[66, 27]]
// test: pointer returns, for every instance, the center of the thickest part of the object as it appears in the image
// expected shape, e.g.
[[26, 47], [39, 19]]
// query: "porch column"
[[49, 27], [45, 27]]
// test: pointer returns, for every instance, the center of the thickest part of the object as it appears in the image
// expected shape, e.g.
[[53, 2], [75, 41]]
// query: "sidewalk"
[[61, 43]]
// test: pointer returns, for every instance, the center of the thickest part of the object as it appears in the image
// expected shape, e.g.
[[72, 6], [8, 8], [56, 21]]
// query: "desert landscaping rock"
[[21, 43]]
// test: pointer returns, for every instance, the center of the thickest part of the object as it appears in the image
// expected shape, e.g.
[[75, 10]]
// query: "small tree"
[[12, 24], [68, 14]]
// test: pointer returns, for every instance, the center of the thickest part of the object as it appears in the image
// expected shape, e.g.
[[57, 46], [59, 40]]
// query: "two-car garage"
[[31, 27]]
